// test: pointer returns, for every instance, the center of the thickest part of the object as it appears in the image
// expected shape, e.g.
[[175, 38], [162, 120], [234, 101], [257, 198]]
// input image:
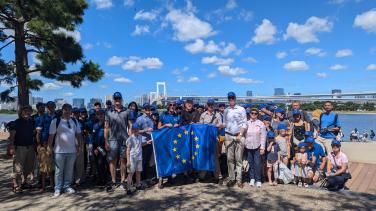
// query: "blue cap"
[[153, 108], [247, 105], [280, 110], [189, 100], [50, 103], [282, 126], [295, 112], [266, 118], [231, 94], [309, 140], [270, 135], [221, 105], [336, 142], [117, 95], [271, 108], [75, 110], [247, 111], [309, 133], [83, 110], [302, 144], [263, 105], [92, 112], [210, 102], [135, 126], [146, 105]]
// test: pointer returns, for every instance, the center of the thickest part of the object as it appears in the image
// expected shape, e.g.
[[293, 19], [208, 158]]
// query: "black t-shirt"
[[24, 131], [190, 116]]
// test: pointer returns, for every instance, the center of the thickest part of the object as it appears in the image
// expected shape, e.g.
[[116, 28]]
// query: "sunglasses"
[[254, 113], [171, 104]]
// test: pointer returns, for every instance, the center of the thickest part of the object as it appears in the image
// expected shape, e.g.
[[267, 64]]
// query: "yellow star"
[[179, 135], [175, 141], [196, 153], [197, 146], [178, 157], [186, 132], [192, 133], [174, 149], [193, 157], [184, 161], [196, 138]]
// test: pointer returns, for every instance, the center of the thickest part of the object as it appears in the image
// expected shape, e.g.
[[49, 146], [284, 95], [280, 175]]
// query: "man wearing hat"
[[108, 105], [189, 115], [115, 135], [316, 159], [296, 106], [22, 147], [279, 118], [235, 119], [43, 126], [146, 125], [212, 117]]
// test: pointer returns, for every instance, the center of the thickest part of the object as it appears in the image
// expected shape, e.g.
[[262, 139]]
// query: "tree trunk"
[[21, 64]]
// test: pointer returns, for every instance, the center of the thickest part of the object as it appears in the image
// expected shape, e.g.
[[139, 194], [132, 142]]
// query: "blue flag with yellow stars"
[[187, 147]]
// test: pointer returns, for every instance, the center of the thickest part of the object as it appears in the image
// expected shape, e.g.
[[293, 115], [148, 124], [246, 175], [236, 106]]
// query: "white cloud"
[[187, 26], [371, 67], [75, 34], [179, 79], [338, 67], [115, 60], [193, 79], [123, 80], [227, 70], [88, 46], [296, 66], [199, 46], [141, 15], [250, 60], [281, 55], [140, 29], [217, 61], [264, 33], [231, 4], [103, 4], [180, 71], [366, 21], [51, 86], [212, 75], [245, 15], [68, 94], [240, 80], [307, 32], [344, 53], [139, 64], [128, 3], [321, 75], [315, 52], [107, 45]]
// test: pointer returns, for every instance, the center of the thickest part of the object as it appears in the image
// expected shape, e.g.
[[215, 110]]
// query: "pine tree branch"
[[4, 46]]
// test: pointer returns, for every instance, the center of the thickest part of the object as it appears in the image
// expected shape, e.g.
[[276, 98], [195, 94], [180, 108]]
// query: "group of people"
[[69, 146], [355, 135]]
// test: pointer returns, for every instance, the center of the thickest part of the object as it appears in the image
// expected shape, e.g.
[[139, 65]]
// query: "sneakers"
[[300, 184], [111, 188], [123, 186], [258, 184], [252, 182], [70, 191], [231, 183], [57, 193]]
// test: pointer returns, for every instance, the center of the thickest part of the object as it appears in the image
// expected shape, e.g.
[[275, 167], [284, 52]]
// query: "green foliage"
[[42, 27]]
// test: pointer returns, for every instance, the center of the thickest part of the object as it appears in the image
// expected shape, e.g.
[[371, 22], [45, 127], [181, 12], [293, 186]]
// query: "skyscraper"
[[279, 91], [79, 102], [335, 92], [249, 93]]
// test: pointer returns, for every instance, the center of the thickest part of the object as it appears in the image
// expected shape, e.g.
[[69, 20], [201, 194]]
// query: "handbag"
[[345, 175]]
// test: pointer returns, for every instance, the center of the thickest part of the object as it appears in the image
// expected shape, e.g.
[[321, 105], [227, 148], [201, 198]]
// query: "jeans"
[[336, 182], [254, 161], [64, 166]]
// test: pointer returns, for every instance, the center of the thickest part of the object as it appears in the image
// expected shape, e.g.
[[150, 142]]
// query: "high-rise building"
[[297, 93], [59, 103], [79, 102], [279, 91], [249, 93], [335, 92], [92, 101]]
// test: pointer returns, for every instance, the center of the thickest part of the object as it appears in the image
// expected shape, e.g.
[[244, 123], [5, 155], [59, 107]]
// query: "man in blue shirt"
[[330, 126], [316, 159], [43, 127]]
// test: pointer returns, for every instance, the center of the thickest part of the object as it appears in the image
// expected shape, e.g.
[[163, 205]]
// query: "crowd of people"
[[113, 146]]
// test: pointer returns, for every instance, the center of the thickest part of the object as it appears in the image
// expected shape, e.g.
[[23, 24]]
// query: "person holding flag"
[[235, 119]]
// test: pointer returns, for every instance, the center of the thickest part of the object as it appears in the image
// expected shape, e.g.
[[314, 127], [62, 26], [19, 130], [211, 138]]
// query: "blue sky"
[[212, 47]]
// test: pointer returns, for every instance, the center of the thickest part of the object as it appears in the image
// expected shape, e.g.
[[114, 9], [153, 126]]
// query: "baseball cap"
[[247, 105], [146, 106], [280, 110], [92, 112], [309, 140], [75, 110], [189, 100], [295, 112], [66, 105], [231, 94], [282, 126], [302, 144], [39, 104], [135, 126], [117, 95], [210, 102], [271, 108], [335, 142], [263, 105], [270, 135], [266, 118], [221, 105], [50, 103], [108, 102], [83, 110]]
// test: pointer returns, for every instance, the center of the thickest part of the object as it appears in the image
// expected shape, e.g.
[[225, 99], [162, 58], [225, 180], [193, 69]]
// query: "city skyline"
[[210, 48]]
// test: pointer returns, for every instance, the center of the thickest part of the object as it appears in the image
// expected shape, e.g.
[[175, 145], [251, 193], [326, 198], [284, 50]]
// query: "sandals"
[[17, 189]]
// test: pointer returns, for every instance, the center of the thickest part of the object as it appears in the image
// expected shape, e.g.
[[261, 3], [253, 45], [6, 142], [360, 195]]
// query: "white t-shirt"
[[135, 144], [65, 141]]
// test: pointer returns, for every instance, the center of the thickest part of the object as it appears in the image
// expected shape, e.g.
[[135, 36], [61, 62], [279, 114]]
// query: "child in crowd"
[[134, 157], [273, 157], [283, 143], [300, 161], [46, 166], [99, 148]]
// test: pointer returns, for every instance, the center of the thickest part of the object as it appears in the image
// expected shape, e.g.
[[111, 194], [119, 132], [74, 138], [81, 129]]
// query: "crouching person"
[[338, 172]]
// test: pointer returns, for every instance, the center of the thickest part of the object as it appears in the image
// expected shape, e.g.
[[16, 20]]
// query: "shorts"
[[23, 161], [270, 164], [117, 149], [136, 165]]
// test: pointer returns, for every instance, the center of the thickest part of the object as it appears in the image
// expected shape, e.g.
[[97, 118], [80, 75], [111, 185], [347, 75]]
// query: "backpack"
[[58, 119]]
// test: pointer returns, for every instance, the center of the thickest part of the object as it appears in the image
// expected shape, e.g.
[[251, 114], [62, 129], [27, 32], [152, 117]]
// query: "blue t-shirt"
[[98, 135], [318, 152], [44, 125], [167, 118], [328, 121], [273, 154], [145, 122]]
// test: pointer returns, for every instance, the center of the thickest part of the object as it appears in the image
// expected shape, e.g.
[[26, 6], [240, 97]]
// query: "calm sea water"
[[349, 122]]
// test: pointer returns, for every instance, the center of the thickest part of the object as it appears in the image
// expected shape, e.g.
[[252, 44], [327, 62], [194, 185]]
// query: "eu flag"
[[188, 147]]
